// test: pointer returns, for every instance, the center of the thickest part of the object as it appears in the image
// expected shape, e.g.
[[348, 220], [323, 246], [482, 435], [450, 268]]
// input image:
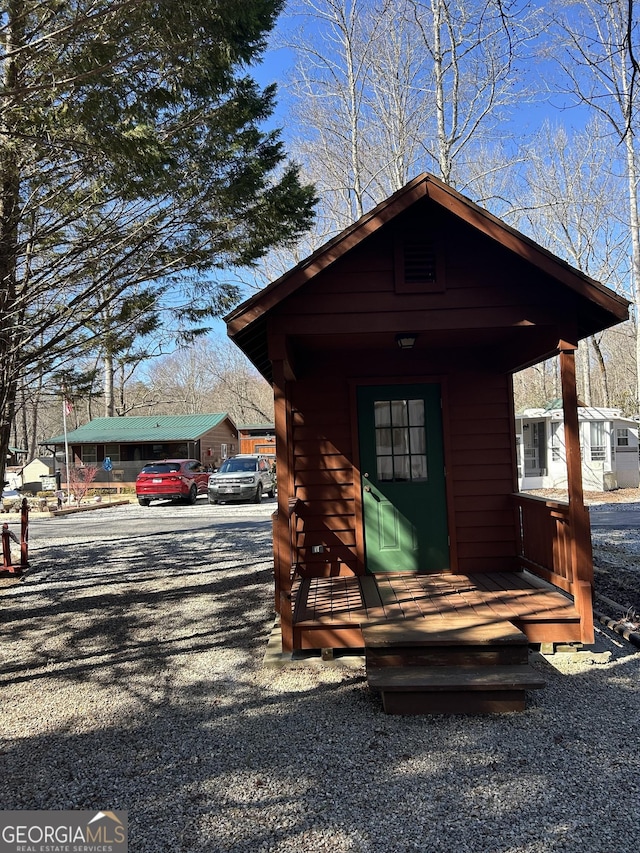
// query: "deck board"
[[347, 602]]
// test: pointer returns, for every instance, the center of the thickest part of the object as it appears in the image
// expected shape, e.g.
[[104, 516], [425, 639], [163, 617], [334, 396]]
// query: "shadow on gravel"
[[137, 605], [239, 763], [115, 539], [130, 682]]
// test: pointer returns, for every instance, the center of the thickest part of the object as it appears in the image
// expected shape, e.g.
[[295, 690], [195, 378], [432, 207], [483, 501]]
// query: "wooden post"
[[24, 534], [581, 552], [281, 527], [6, 548], [276, 558], [7, 565]]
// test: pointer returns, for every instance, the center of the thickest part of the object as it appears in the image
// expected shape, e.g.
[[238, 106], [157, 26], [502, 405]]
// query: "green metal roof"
[[153, 428]]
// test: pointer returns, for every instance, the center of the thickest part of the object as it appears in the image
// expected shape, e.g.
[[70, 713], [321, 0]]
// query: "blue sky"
[[278, 61]]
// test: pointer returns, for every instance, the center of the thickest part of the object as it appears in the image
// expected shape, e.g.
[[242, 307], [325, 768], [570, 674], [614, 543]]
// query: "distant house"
[[608, 445], [131, 442], [258, 438], [38, 475]]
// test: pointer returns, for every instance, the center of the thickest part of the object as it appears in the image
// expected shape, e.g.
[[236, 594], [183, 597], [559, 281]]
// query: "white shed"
[[608, 445]]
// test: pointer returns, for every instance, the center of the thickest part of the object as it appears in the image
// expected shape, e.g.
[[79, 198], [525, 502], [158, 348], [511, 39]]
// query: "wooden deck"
[[329, 612]]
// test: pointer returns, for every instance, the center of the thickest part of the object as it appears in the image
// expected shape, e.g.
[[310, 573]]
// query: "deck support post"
[[282, 518], [581, 551]]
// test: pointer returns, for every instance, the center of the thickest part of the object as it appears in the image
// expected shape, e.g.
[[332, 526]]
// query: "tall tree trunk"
[[10, 317], [109, 399], [585, 369], [444, 139], [632, 176], [23, 441], [32, 445], [602, 368], [121, 409], [628, 85]]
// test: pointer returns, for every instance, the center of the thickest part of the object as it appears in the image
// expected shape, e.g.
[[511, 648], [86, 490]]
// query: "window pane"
[[399, 412], [382, 412], [383, 442], [598, 449], [89, 454], [418, 467], [401, 468], [416, 412], [400, 441], [385, 468], [417, 437]]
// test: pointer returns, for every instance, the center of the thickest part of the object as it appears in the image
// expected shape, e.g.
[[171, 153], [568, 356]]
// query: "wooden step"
[[443, 678], [454, 690], [452, 665], [402, 655], [442, 631], [439, 642]]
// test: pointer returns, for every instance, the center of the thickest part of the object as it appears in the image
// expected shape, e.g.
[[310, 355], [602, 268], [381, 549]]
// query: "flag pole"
[[66, 445]]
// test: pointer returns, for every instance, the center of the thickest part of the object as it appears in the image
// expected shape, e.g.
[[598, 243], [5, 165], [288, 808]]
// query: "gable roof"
[[152, 428], [246, 324]]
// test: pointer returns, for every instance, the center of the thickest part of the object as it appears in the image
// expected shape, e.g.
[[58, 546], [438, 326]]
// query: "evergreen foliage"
[[133, 164]]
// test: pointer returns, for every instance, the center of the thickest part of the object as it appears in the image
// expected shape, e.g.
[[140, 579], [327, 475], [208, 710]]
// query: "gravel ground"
[[132, 682], [616, 567]]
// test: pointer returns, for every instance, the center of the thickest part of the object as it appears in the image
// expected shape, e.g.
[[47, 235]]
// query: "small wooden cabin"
[[391, 351]]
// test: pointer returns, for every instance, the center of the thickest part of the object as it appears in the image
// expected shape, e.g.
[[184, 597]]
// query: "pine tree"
[[133, 160]]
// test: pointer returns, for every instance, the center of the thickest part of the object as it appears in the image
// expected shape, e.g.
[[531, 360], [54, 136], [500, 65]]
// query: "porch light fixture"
[[406, 340]]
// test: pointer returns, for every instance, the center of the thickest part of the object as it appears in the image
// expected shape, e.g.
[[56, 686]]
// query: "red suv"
[[172, 479]]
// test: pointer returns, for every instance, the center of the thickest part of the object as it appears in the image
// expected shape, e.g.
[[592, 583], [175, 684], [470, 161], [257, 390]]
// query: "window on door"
[[598, 442], [557, 437], [401, 447]]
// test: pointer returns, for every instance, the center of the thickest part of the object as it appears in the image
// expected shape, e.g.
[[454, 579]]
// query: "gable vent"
[[419, 262]]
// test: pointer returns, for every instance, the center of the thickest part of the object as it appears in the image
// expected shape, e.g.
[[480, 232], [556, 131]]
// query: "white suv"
[[241, 478]]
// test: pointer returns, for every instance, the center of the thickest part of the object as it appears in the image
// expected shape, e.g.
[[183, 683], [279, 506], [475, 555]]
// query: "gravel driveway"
[[132, 678]]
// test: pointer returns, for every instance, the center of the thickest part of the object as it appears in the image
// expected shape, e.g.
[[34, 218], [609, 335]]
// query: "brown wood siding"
[[486, 287], [480, 471], [323, 477], [211, 441], [265, 445]]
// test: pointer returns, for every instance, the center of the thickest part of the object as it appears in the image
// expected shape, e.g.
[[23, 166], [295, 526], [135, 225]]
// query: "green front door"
[[402, 473]]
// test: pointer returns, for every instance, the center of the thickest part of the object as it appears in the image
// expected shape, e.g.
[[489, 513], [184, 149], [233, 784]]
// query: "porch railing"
[[554, 543], [285, 568]]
